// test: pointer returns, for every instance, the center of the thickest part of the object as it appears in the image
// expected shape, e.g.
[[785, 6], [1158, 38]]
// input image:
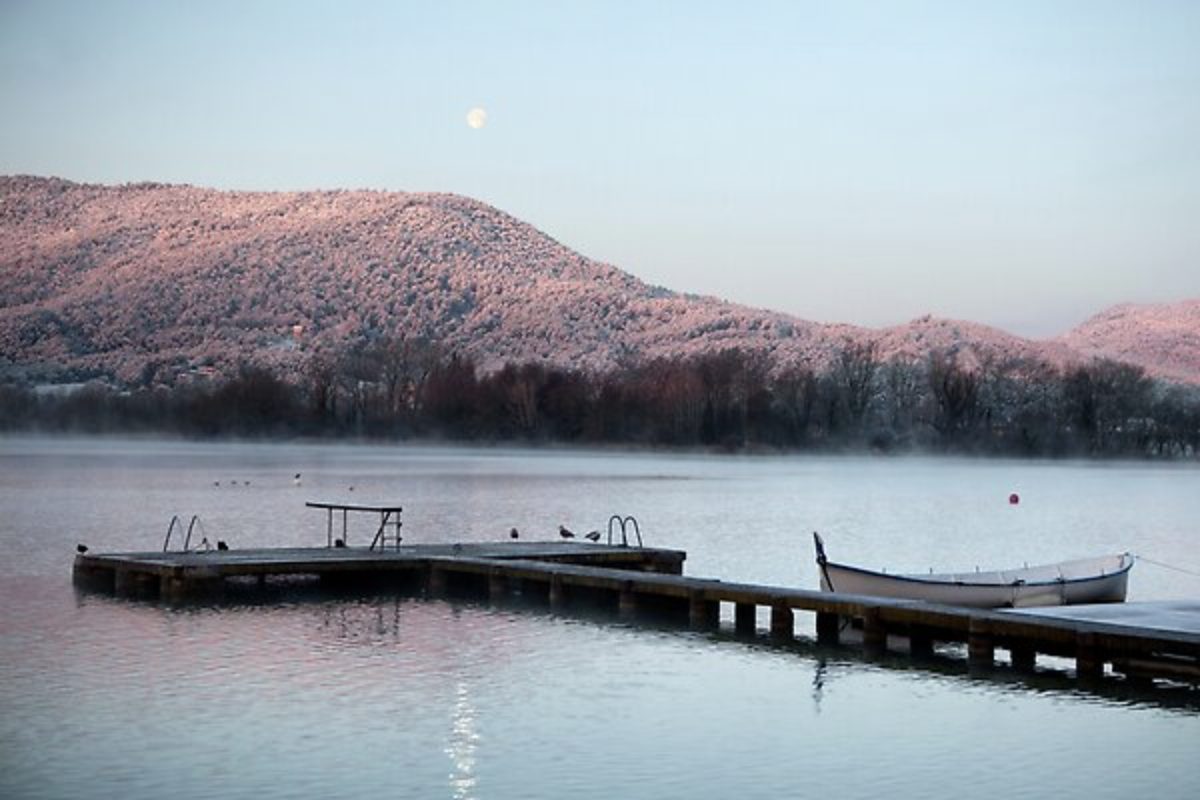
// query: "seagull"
[[296, 479], [81, 548], [513, 534], [221, 545], [564, 533], [592, 536]]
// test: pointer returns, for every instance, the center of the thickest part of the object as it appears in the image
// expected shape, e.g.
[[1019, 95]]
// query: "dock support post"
[[981, 647], [828, 627], [702, 613], [1089, 663], [783, 622], [874, 634], [435, 583], [745, 618], [558, 597], [920, 642], [1023, 657], [497, 587], [627, 605]]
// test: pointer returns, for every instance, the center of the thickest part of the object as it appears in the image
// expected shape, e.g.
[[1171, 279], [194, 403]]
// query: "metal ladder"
[[176, 522], [616, 521], [382, 536]]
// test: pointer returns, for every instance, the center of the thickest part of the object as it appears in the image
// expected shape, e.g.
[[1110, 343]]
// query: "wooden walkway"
[[634, 582]]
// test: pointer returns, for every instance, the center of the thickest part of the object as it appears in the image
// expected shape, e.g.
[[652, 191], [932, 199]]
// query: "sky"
[[1020, 164]]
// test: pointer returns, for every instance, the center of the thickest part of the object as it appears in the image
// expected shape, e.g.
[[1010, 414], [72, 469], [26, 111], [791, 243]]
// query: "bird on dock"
[[564, 533], [221, 545], [296, 479], [81, 548], [592, 536], [513, 534]]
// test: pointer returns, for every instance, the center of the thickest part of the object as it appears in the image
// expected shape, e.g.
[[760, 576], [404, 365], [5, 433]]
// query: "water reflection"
[[461, 744], [289, 691]]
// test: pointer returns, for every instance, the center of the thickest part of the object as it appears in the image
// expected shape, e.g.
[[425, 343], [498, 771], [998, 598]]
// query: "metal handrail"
[[174, 521], [624, 522], [187, 540]]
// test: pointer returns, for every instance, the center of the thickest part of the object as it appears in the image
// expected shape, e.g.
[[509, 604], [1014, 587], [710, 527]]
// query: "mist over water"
[[395, 696]]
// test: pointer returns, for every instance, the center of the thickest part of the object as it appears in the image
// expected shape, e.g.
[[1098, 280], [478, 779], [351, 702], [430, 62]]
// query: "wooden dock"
[[633, 582]]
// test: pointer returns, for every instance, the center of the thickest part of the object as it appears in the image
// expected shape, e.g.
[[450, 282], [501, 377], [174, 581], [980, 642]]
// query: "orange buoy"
[[1013, 499]]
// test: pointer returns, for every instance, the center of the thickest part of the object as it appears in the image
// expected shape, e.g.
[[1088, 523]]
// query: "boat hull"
[[1012, 589]]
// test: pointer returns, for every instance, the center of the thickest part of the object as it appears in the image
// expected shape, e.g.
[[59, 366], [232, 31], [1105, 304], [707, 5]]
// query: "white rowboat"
[[1086, 580]]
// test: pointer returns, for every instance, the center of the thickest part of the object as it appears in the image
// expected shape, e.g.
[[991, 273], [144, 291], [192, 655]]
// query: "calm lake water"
[[390, 696]]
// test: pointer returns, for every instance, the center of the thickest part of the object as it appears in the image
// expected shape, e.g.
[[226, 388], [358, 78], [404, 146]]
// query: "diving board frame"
[[389, 521]]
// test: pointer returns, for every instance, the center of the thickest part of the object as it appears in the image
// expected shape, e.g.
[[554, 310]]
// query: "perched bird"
[[339, 542], [81, 548], [221, 545], [592, 536], [564, 533], [296, 479], [513, 534]]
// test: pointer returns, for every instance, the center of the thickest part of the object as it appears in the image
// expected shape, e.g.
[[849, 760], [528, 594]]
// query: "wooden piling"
[[627, 602], [1089, 661], [702, 613], [436, 582], [920, 641], [981, 646], [874, 633], [1023, 657], [783, 622], [829, 628], [558, 596], [497, 587], [745, 618]]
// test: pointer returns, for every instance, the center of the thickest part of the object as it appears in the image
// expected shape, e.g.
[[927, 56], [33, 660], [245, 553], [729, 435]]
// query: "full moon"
[[477, 118]]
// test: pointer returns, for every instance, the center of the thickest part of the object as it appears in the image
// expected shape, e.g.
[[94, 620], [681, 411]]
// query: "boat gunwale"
[[1127, 559]]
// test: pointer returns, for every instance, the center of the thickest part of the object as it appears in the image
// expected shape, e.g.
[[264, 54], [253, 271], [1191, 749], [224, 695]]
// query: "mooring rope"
[[1164, 565]]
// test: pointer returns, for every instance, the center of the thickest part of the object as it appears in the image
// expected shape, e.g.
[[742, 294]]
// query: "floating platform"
[[1137, 640]]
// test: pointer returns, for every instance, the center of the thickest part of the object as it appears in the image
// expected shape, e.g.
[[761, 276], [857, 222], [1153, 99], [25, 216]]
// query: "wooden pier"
[[634, 582]]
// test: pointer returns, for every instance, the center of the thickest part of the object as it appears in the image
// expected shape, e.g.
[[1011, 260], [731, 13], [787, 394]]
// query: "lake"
[[373, 696]]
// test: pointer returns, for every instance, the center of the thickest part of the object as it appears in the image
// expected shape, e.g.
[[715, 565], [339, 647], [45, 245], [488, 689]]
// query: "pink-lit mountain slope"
[[1163, 338], [146, 282]]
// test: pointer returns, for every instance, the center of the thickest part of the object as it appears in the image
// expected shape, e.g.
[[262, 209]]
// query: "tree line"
[[730, 400]]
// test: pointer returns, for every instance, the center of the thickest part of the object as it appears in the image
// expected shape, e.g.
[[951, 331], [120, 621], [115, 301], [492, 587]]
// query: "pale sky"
[[1021, 164]]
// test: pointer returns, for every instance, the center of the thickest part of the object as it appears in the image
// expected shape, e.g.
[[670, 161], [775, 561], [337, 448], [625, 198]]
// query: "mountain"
[[148, 281], [1162, 338]]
